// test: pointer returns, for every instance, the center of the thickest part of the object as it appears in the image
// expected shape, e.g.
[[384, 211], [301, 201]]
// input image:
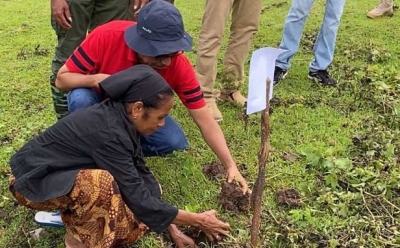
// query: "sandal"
[[49, 219]]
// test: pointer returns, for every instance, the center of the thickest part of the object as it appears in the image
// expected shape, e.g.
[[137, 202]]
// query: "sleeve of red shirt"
[[187, 87], [86, 57]]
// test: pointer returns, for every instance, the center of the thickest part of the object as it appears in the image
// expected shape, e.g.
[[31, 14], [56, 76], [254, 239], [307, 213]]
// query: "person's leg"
[[42, 218], [384, 8], [165, 140], [68, 41], [71, 242], [324, 46], [97, 215], [293, 30], [245, 21], [110, 10], [81, 98], [55, 203], [215, 17]]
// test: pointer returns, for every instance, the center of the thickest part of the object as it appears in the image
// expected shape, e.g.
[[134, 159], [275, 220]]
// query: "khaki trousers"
[[245, 21]]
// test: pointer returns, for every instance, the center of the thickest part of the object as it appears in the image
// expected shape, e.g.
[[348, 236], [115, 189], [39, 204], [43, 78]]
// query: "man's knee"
[[154, 146], [81, 98], [177, 142], [300, 10]]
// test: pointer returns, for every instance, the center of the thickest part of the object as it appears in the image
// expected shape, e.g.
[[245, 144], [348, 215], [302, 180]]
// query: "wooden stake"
[[263, 155]]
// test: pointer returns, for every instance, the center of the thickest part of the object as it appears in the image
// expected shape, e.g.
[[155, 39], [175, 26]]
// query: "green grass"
[[318, 124]]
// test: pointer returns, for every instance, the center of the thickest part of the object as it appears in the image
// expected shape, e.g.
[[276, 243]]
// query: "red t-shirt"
[[105, 51]]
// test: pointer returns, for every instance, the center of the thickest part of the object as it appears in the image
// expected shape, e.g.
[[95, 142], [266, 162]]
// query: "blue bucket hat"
[[158, 31]]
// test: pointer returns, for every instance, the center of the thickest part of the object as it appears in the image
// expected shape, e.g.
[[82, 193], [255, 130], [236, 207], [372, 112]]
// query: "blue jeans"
[[164, 141], [324, 46]]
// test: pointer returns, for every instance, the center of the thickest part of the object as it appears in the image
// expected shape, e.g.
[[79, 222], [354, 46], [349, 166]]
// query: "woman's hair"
[[158, 99]]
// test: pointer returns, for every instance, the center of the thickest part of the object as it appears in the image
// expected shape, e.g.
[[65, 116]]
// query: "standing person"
[[90, 167], [71, 21], [384, 8], [245, 21], [324, 46]]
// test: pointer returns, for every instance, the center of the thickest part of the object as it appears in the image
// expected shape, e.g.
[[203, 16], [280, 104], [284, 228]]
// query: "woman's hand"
[[212, 226], [180, 239], [206, 222]]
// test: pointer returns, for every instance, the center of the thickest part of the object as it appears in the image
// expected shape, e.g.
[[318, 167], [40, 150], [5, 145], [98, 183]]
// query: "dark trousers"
[[86, 15]]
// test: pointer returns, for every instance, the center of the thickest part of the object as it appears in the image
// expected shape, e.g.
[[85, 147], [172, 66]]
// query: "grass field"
[[345, 140]]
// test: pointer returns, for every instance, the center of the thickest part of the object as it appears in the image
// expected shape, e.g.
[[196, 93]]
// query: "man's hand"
[[60, 11], [180, 239], [232, 174], [138, 5]]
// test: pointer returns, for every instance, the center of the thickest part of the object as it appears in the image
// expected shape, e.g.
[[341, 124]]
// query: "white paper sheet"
[[262, 66]]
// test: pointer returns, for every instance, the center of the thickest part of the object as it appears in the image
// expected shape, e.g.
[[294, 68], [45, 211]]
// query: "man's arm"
[[67, 80], [82, 67], [214, 137], [189, 91]]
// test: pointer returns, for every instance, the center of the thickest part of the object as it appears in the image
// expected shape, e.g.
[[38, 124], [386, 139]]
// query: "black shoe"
[[279, 74], [322, 77]]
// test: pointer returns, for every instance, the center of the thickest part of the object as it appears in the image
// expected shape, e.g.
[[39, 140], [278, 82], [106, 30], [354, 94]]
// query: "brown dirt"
[[198, 236], [5, 139], [289, 157], [37, 51], [238, 246], [232, 198], [202, 241], [41, 51], [214, 171], [290, 197], [3, 213]]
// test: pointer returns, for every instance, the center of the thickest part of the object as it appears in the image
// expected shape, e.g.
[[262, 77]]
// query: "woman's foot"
[[71, 242]]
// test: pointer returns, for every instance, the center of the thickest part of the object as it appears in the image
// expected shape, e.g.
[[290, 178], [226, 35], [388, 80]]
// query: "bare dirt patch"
[[232, 198], [214, 171], [202, 241], [290, 197]]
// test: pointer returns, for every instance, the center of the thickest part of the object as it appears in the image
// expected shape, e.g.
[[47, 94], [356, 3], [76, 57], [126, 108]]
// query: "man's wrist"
[[230, 165]]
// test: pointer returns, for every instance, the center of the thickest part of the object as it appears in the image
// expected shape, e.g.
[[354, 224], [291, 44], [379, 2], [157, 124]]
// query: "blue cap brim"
[[155, 48]]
